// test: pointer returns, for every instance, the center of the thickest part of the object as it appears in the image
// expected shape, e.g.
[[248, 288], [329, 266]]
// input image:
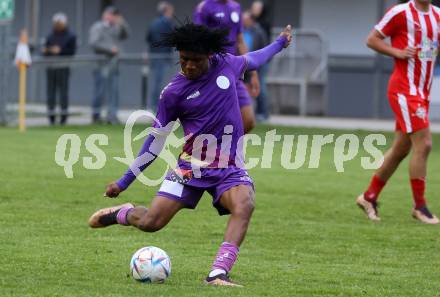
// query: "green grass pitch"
[[306, 238]]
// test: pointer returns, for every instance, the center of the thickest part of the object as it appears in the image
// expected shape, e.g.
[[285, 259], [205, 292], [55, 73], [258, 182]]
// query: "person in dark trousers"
[[255, 38], [105, 38], [60, 42], [160, 59], [262, 14]]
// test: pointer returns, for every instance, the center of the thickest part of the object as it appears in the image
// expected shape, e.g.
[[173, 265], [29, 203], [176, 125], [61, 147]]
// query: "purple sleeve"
[[260, 57], [154, 143], [143, 160]]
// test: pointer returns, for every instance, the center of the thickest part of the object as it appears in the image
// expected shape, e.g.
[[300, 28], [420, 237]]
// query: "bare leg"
[[161, 211], [240, 201], [394, 156], [422, 144]]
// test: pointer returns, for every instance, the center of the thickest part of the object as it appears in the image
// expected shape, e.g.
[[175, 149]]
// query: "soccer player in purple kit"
[[203, 97], [227, 14]]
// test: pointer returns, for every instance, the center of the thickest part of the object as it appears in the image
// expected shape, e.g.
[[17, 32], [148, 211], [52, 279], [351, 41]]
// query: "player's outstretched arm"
[[146, 156], [153, 144], [376, 41], [260, 57], [151, 148]]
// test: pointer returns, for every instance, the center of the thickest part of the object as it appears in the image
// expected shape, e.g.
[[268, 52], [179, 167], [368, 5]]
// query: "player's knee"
[[424, 147], [150, 224], [427, 147], [244, 208]]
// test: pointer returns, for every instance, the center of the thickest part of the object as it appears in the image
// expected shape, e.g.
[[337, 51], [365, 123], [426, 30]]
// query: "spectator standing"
[[105, 38], [262, 12], [60, 42], [256, 38], [160, 58]]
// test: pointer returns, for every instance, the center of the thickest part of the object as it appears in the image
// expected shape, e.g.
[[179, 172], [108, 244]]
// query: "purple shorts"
[[244, 99], [181, 186]]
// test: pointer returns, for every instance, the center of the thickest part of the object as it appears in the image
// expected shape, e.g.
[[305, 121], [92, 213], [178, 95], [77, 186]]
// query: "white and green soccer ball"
[[150, 265]]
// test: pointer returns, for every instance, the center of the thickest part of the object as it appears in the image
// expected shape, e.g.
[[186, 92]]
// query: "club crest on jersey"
[[428, 50], [223, 82]]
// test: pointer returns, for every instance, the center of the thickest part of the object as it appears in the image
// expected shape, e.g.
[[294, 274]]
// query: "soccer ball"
[[150, 265]]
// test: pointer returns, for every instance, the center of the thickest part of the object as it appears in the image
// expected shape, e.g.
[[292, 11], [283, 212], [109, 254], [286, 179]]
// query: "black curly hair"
[[196, 38]]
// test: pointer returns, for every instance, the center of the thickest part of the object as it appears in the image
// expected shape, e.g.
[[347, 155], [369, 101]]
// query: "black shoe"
[[52, 120], [106, 216], [113, 122], [96, 119], [221, 280], [63, 120]]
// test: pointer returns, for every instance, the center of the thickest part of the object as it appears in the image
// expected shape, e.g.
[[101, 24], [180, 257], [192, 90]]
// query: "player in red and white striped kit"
[[414, 31]]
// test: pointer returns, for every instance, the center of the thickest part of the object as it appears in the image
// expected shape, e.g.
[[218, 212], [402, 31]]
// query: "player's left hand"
[[112, 190], [288, 34], [254, 85]]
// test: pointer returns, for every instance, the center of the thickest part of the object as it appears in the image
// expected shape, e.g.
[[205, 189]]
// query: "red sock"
[[374, 189], [418, 189]]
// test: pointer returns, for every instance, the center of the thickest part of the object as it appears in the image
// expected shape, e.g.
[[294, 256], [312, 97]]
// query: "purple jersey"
[[220, 14], [207, 105]]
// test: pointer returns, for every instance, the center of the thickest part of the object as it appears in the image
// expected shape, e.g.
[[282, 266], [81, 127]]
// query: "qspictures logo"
[[207, 150]]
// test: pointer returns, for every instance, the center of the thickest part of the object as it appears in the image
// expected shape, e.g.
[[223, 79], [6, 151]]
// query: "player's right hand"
[[112, 190], [407, 53]]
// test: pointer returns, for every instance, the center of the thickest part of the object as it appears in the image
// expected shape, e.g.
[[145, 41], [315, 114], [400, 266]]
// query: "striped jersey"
[[409, 27]]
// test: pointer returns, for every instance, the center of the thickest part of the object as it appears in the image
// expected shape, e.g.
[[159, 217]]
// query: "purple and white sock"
[[121, 217], [225, 259]]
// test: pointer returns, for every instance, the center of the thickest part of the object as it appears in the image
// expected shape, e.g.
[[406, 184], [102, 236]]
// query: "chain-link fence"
[[298, 76]]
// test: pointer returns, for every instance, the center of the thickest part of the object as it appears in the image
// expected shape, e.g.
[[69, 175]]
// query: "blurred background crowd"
[[99, 54]]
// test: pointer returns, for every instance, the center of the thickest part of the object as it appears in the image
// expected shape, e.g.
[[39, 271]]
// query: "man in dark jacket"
[[60, 42]]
